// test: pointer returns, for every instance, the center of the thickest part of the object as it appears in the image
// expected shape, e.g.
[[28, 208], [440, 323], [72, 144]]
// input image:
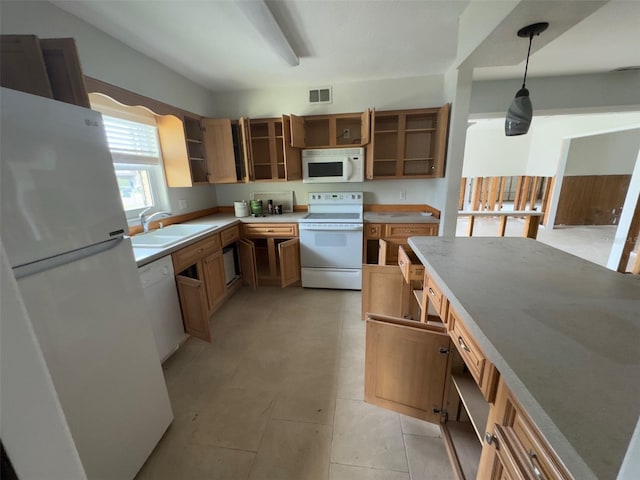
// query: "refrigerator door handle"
[[68, 257]]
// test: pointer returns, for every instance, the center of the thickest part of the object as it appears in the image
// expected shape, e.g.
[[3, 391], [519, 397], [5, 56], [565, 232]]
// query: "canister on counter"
[[256, 208], [241, 208]]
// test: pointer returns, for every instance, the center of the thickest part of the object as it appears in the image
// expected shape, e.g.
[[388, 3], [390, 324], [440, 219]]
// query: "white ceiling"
[[215, 45]]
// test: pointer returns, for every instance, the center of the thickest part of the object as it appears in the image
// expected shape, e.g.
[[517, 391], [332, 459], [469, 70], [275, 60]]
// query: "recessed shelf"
[[385, 131], [474, 402], [259, 138], [463, 448], [384, 159]]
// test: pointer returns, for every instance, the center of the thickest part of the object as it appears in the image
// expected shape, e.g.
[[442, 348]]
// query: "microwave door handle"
[[348, 170]]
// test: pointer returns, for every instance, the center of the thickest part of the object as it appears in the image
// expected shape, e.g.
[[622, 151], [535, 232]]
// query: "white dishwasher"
[[163, 305]]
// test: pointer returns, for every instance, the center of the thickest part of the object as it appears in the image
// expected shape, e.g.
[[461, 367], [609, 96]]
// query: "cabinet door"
[[293, 163], [405, 368], [384, 291], [214, 279], [64, 71], [383, 251], [174, 151], [247, 253], [22, 65], [372, 146], [289, 256], [365, 127], [297, 131], [193, 302], [218, 147], [246, 146], [440, 149]]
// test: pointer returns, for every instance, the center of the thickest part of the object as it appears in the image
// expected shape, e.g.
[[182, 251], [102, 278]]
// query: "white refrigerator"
[[62, 225]]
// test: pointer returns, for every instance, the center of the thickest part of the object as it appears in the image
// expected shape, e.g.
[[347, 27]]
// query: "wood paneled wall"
[[592, 199]]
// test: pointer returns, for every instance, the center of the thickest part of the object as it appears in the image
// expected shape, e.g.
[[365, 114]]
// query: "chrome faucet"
[[145, 221]]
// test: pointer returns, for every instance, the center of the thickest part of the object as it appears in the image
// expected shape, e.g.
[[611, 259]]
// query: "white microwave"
[[333, 165]]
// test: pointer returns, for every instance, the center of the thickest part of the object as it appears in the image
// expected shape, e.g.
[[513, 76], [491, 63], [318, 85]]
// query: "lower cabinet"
[[428, 366], [382, 240], [201, 283], [514, 449], [269, 255], [416, 365]]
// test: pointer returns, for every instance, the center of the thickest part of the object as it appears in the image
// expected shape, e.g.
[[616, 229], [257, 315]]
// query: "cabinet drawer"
[[410, 230], [409, 264], [436, 298], [539, 455], [373, 231], [191, 254], [230, 235], [270, 230], [469, 350]]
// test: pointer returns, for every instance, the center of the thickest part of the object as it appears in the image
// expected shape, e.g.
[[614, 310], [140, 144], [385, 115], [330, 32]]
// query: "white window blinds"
[[131, 142]]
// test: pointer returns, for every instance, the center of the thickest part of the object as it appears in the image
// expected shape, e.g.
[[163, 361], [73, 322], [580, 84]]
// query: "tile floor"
[[278, 395]]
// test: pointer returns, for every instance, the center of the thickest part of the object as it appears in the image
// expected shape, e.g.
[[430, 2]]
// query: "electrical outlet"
[[403, 194], [182, 204], [346, 134]]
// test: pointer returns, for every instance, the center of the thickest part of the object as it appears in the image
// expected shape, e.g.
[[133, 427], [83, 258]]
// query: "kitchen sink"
[[165, 237], [183, 229]]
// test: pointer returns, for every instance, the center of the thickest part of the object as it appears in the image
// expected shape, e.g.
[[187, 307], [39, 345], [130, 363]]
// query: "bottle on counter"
[[270, 206]]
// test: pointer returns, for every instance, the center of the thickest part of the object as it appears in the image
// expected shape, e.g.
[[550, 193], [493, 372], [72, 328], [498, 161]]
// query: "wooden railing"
[[489, 193], [531, 221]]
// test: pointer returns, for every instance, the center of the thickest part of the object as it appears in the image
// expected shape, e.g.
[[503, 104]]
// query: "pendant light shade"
[[519, 114], [520, 111]]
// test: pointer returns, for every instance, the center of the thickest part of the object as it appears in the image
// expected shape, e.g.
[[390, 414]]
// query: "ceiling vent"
[[320, 95]]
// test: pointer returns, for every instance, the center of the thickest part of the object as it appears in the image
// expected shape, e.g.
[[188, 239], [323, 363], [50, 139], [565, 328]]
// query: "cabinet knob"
[[431, 292], [489, 438]]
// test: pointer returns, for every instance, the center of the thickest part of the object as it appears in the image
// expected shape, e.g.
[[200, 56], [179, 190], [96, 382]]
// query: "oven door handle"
[[314, 228]]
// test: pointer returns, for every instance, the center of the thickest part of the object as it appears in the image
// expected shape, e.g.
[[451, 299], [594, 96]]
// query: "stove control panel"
[[336, 197]]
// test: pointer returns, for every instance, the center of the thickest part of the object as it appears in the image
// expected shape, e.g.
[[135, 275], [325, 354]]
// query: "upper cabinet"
[[198, 151], [325, 131], [45, 67], [269, 155], [408, 143]]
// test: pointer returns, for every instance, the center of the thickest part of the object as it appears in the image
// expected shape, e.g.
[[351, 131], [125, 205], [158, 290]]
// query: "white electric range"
[[331, 241]]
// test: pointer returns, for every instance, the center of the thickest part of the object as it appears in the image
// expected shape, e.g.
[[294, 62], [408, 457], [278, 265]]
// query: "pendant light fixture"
[[520, 111]]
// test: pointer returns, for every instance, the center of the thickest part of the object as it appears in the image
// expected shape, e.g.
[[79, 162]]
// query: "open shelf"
[[474, 402], [463, 448]]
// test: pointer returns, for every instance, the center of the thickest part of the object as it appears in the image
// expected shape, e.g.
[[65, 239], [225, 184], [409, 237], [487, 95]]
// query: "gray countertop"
[[221, 221], [398, 217], [563, 332], [218, 222]]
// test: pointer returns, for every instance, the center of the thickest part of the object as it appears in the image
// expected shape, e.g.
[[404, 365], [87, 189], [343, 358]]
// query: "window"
[[137, 162]]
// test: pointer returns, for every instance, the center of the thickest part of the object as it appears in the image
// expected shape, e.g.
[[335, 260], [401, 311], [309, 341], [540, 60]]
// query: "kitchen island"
[[563, 333]]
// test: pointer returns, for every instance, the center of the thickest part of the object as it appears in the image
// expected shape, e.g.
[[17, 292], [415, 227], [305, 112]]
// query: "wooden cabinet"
[[201, 283], [408, 143], [513, 446], [268, 152], [270, 254], [338, 130], [199, 151], [46, 67], [393, 235], [418, 366]]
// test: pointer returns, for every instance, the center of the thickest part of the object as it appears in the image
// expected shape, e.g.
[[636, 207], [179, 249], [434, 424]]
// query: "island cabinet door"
[[247, 254], [406, 364], [384, 291], [289, 257]]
